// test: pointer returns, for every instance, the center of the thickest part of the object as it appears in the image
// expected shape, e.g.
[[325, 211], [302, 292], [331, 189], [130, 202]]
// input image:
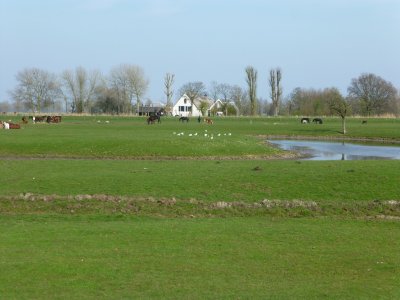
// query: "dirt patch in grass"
[[100, 204], [277, 156]]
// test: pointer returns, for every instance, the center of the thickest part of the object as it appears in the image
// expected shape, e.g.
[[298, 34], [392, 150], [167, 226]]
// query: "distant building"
[[184, 108], [147, 110]]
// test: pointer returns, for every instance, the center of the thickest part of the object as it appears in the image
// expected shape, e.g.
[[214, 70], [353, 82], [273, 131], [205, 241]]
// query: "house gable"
[[184, 108]]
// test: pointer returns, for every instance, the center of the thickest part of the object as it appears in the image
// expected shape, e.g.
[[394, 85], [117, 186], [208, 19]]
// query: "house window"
[[184, 101], [181, 108]]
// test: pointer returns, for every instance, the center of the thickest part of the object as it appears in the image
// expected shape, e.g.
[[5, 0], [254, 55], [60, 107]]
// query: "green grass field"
[[120, 209]]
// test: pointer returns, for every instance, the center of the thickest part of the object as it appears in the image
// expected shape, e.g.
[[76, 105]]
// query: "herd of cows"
[[35, 119], [307, 120]]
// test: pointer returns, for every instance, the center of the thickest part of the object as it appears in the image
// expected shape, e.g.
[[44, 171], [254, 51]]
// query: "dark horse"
[[152, 119], [182, 119]]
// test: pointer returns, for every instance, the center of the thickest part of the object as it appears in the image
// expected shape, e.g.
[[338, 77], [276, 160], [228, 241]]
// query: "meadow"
[[110, 207]]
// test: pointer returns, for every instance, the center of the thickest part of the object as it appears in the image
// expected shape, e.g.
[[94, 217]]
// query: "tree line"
[[123, 91]]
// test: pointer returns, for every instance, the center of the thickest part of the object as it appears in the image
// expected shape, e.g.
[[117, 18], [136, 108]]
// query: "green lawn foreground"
[[55, 257], [64, 235]]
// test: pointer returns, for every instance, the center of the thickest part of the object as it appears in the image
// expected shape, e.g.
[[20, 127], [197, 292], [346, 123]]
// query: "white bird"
[[190, 134], [205, 134], [195, 133], [229, 133], [219, 134]]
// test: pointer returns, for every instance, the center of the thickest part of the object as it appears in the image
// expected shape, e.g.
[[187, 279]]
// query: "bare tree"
[[138, 83], [339, 106], [251, 79], [130, 84], [220, 90], [79, 86], [120, 84], [106, 100], [373, 93], [309, 102], [169, 80], [239, 97], [193, 90], [36, 89], [275, 77]]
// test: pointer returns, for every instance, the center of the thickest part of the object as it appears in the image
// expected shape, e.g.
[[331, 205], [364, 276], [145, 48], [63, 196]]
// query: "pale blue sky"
[[317, 43]]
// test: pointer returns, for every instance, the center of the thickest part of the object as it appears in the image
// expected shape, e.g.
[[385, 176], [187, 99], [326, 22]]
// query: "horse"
[[305, 120], [153, 118], [182, 119], [317, 121]]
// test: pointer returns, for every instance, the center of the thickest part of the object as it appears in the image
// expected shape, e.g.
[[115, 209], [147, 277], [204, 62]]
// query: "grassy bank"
[[205, 180]]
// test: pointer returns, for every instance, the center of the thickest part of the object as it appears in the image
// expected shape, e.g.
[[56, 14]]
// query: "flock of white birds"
[[206, 134]]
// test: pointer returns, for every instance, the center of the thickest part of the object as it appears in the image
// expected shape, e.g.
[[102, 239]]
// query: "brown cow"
[[8, 125], [208, 120], [53, 119]]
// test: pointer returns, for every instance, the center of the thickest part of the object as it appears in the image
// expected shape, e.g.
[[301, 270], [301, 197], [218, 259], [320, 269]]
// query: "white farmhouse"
[[184, 108]]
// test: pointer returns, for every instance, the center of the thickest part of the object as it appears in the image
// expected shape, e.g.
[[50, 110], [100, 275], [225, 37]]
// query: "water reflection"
[[321, 150]]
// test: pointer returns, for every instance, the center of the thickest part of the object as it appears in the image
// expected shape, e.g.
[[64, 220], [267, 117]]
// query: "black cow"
[[305, 120], [317, 121]]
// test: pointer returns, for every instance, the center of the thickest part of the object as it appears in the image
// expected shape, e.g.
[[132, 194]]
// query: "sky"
[[317, 43]]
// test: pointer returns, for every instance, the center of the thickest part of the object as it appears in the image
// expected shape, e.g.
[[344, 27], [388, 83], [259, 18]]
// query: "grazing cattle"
[[153, 118], [364, 122], [208, 121], [305, 120], [14, 126], [53, 119], [37, 119], [317, 121], [24, 120], [8, 125], [182, 119]]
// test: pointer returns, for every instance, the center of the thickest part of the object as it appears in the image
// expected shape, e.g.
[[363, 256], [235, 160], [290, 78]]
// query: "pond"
[[322, 150]]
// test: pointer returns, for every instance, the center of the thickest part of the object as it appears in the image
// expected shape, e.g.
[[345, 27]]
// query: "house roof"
[[211, 103], [207, 100]]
